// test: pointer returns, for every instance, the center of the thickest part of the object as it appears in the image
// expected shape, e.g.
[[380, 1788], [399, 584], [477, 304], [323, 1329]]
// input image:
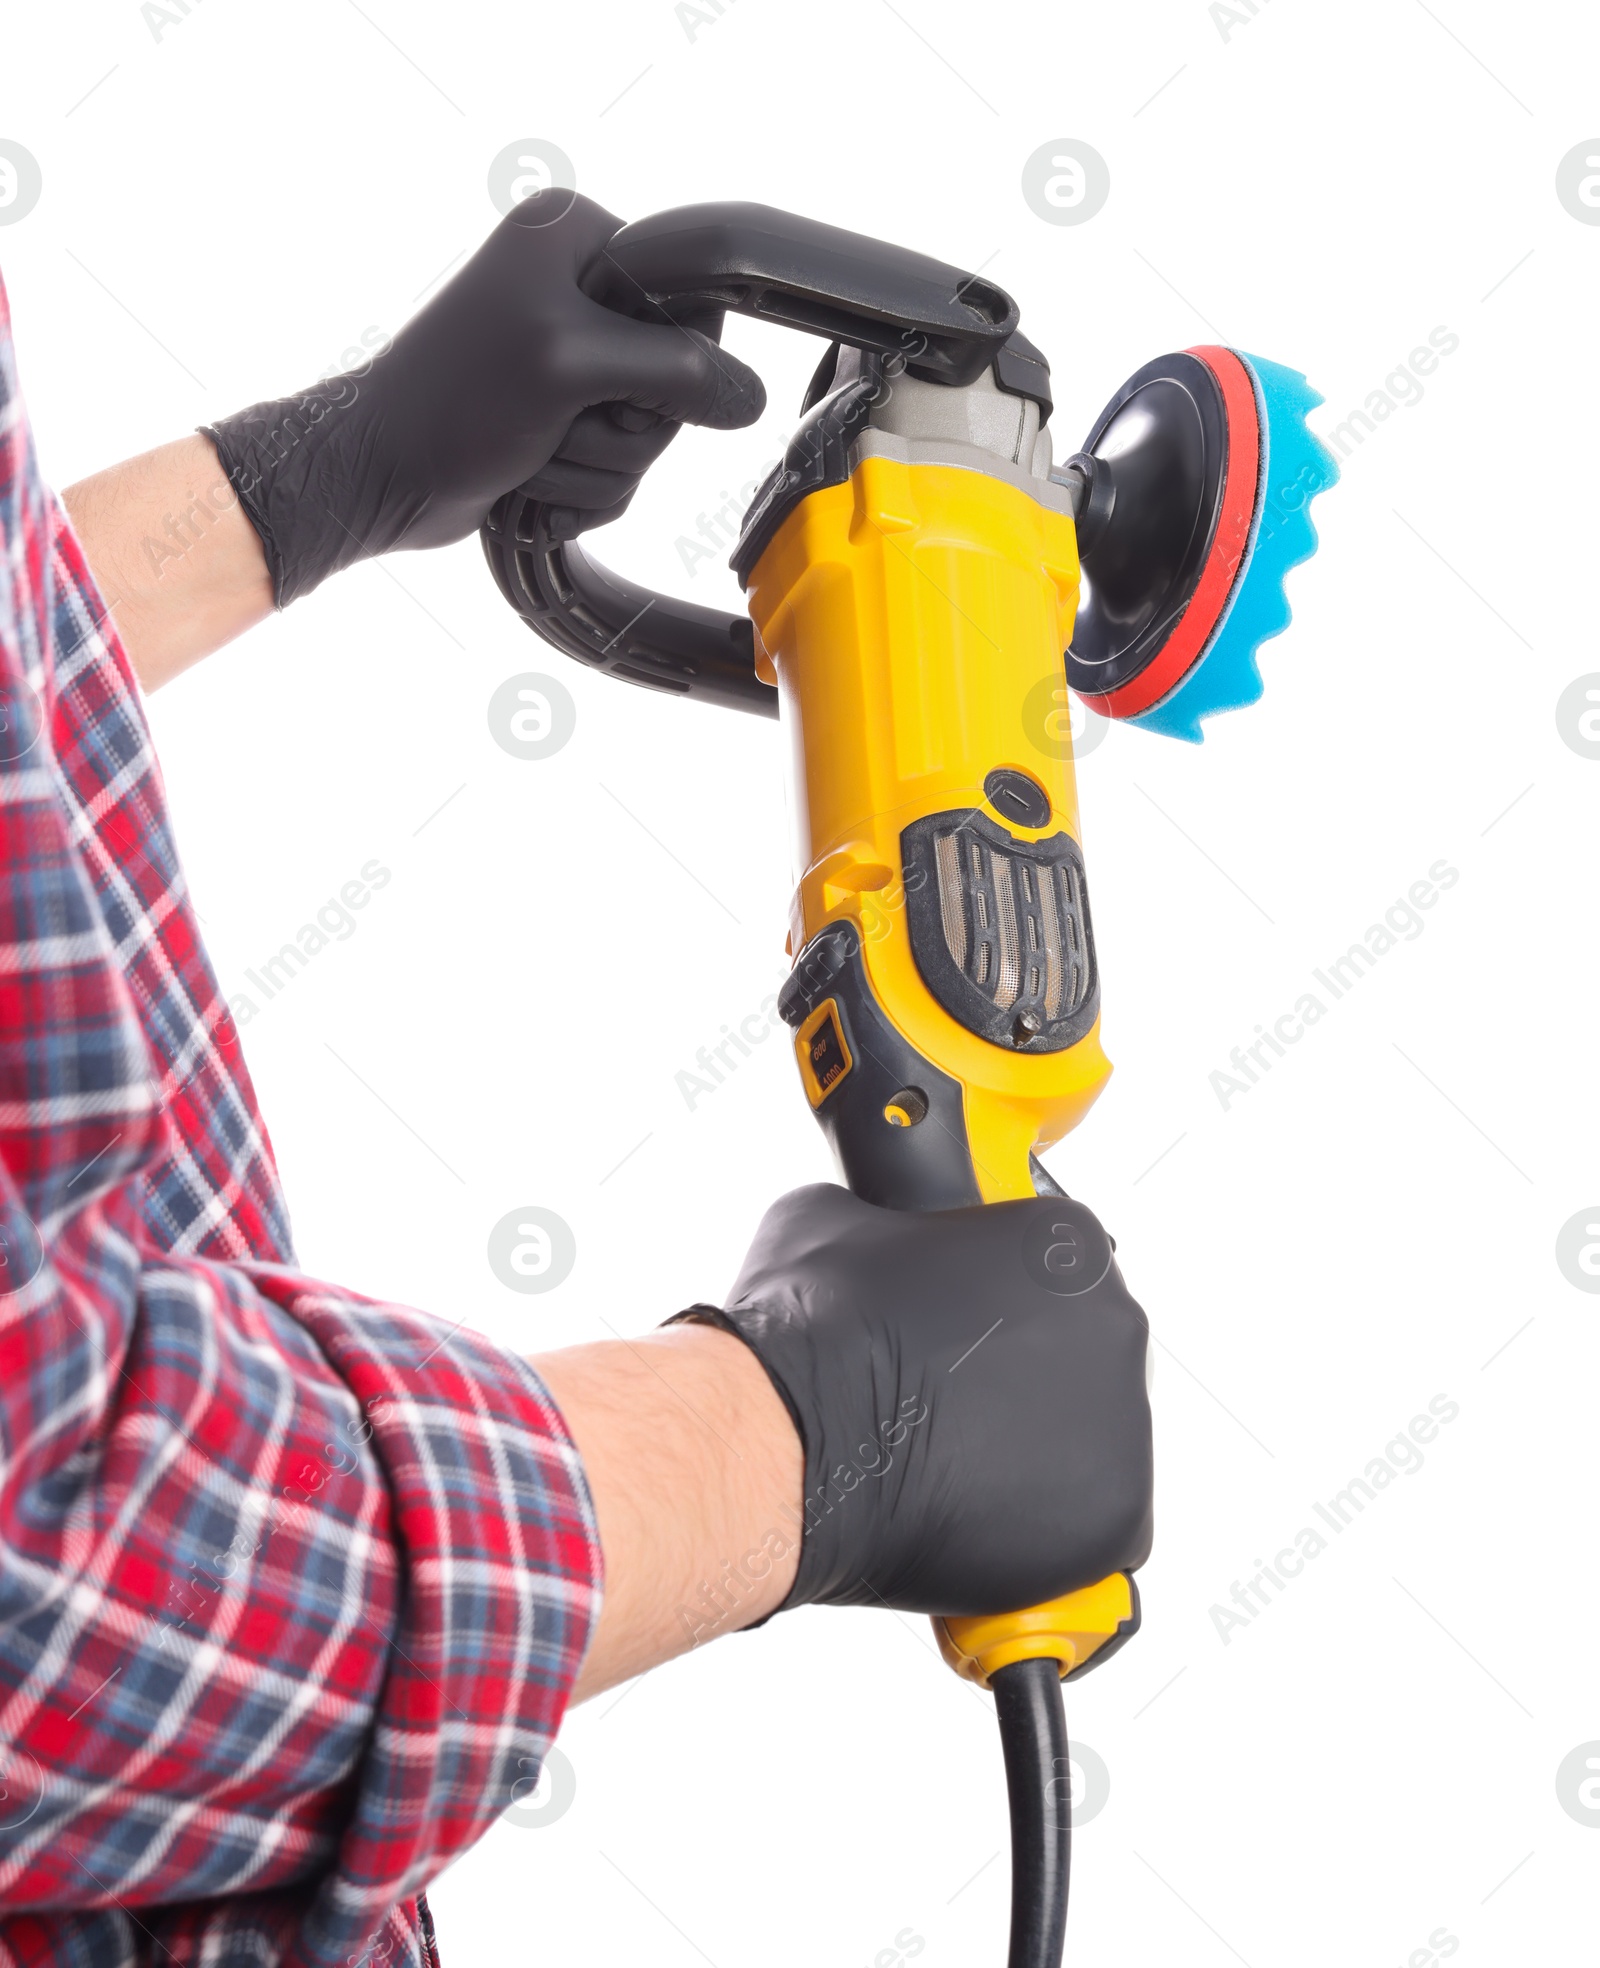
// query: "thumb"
[[676, 372]]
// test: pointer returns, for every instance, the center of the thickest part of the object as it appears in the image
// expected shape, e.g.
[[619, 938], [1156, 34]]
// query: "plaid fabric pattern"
[[293, 1586]]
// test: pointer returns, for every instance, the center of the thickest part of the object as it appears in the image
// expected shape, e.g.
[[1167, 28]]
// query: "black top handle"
[[691, 265]]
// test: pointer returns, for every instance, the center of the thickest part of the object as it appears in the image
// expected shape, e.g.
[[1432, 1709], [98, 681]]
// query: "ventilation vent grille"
[[1000, 929]]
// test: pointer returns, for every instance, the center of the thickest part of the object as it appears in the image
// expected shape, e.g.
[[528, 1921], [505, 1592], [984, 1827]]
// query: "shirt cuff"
[[501, 1575]]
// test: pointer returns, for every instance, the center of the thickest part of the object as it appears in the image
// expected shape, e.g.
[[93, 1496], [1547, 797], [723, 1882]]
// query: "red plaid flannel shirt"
[[293, 1586]]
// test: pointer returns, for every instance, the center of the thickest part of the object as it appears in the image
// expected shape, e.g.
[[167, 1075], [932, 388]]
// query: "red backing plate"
[[1179, 653]]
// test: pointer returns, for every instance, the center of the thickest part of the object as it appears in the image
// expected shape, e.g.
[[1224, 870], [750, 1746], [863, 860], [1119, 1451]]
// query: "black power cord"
[[1033, 1737]]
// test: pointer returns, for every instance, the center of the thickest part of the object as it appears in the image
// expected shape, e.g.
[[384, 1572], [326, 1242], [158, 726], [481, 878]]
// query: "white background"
[[1371, 1226]]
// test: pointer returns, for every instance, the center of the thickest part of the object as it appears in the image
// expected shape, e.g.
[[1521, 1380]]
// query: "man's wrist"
[[177, 562], [695, 1469]]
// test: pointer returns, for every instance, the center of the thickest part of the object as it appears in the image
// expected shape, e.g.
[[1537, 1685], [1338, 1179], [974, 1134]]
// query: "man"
[[295, 1587]]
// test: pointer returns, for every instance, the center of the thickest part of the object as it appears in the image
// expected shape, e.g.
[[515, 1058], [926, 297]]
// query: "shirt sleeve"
[[294, 1586]]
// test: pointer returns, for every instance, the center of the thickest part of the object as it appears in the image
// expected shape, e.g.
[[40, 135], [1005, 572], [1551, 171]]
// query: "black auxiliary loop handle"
[[691, 265]]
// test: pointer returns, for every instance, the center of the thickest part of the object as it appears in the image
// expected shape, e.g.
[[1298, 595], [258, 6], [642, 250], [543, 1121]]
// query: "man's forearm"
[[696, 1473], [171, 549]]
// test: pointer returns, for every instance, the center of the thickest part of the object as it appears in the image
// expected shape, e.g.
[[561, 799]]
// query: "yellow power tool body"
[[945, 994]]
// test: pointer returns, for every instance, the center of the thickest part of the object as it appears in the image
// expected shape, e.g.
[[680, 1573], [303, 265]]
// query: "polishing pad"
[[1199, 475]]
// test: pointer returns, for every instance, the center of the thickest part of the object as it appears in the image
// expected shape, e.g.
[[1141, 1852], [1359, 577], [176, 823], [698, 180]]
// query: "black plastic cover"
[[817, 454], [1021, 370], [925, 1167]]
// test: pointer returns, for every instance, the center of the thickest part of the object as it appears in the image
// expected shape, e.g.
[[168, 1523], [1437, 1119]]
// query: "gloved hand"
[[969, 1388], [510, 376]]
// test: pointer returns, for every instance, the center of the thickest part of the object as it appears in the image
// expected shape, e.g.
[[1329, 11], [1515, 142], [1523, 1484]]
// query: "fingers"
[[596, 438], [574, 226], [738, 394], [599, 463], [584, 487], [625, 417], [574, 518], [676, 372]]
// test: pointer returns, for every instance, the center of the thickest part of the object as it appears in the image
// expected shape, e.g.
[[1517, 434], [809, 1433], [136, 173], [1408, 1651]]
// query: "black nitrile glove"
[[510, 376], [969, 1387]]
